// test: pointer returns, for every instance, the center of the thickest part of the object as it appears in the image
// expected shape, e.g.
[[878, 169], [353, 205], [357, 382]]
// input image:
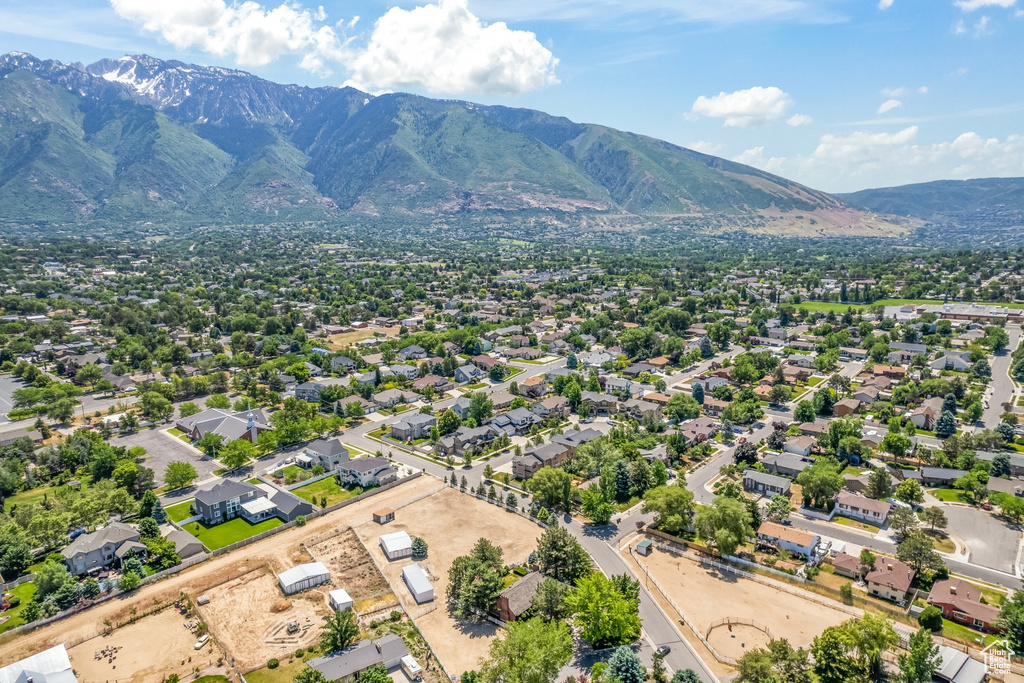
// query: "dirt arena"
[[137, 659], [277, 553], [707, 595], [451, 523]]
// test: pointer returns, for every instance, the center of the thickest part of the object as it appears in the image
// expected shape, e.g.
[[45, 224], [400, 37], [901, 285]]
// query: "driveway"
[[162, 448], [992, 542]]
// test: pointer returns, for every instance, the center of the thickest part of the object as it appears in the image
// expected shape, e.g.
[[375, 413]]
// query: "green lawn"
[[955, 631], [622, 507], [37, 494], [474, 386], [25, 591], [230, 532], [856, 524], [815, 381], [212, 679], [285, 673], [180, 511], [325, 487], [949, 495]]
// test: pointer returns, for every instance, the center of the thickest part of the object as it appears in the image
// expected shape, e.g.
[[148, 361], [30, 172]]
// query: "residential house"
[[537, 457], [960, 601], [389, 398], [341, 406], [636, 369], [502, 400], [534, 387], [623, 386], [640, 410], [461, 407], [765, 484], [799, 445], [925, 416], [847, 565], [846, 407], [848, 354], [516, 421], [558, 406], [484, 362], [468, 373], [953, 360], [466, 440], [310, 391], [939, 476], [98, 550], [600, 404], [224, 501], [713, 407], [440, 384], [786, 537], [1016, 461], [367, 472], [416, 426], [346, 664], [185, 544], [889, 579], [314, 370], [698, 431], [865, 509], [516, 600], [866, 394], [574, 438], [413, 352], [802, 360], [342, 364], [709, 383], [399, 370], [786, 464], [328, 453], [524, 353], [814, 429]]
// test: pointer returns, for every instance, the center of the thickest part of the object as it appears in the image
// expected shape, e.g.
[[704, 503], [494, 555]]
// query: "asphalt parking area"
[[992, 541], [162, 448]]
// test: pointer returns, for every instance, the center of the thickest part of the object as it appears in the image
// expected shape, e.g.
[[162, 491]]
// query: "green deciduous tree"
[[725, 524], [179, 473], [606, 617], [672, 505], [339, 630], [532, 651]]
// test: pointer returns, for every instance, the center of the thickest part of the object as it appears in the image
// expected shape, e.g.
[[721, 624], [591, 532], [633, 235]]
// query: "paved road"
[[1002, 386]]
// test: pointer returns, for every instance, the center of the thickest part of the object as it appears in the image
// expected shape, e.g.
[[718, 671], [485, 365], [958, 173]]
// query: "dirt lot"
[[337, 342], [137, 659], [707, 595], [277, 552], [451, 522], [352, 569]]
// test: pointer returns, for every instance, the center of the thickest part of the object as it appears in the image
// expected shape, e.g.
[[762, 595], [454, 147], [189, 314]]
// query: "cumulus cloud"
[[439, 48], [706, 147], [884, 4], [894, 92], [744, 108], [756, 157], [799, 120], [445, 48], [971, 5], [889, 105]]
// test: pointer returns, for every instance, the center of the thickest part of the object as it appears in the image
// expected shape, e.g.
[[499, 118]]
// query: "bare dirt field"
[[352, 569], [707, 595], [138, 658], [278, 552], [339, 341], [249, 616], [451, 523]]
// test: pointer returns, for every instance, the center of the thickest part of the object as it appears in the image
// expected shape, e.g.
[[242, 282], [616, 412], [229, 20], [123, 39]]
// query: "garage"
[[396, 545], [302, 577], [418, 583]]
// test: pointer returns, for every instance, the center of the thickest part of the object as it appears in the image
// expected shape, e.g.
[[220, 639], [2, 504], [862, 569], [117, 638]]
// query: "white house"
[[859, 507], [418, 583], [953, 360], [788, 538], [396, 545]]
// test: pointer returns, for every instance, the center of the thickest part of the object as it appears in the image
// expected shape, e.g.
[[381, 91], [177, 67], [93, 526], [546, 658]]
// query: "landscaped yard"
[[25, 591], [328, 487], [230, 532], [815, 381], [942, 543], [955, 631], [856, 524], [180, 511], [949, 495], [37, 494]]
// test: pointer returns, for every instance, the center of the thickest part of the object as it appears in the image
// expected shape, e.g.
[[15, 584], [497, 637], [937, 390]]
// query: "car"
[[759, 425], [588, 420], [986, 505], [612, 422], [737, 430], [743, 439], [663, 650]]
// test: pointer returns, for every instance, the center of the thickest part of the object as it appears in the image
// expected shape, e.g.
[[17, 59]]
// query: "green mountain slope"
[[943, 197]]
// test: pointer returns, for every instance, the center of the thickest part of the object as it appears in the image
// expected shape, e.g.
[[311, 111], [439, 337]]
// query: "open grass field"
[[337, 342], [451, 523], [826, 306], [707, 595], [235, 530], [148, 650], [277, 553], [328, 488]]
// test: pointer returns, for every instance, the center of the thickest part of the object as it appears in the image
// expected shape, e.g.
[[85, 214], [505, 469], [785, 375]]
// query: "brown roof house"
[[889, 579], [515, 600], [961, 602], [865, 509]]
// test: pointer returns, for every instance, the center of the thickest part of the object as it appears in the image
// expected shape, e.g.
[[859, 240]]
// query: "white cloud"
[[889, 105], [755, 157], [981, 28], [884, 4], [923, 90], [744, 108], [445, 48], [439, 48], [971, 5], [248, 32], [894, 92], [799, 120], [706, 147], [960, 28]]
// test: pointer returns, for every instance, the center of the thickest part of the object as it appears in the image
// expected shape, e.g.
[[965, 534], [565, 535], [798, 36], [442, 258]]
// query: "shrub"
[[930, 618], [15, 601], [300, 520], [300, 653], [273, 664], [395, 615], [373, 624]]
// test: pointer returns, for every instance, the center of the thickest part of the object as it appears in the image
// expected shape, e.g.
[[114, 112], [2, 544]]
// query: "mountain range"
[[141, 139]]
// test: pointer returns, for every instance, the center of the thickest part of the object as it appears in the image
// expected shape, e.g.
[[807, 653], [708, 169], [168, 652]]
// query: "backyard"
[[13, 616], [327, 487], [178, 512], [237, 529]]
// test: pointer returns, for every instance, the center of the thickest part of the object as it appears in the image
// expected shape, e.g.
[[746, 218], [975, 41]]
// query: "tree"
[[831, 662], [804, 412], [698, 393], [237, 454], [745, 454], [179, 474], [780, 394], [778, 509], [902, 520], [594, 506], [480, 406], [188, 409], [917, 550], [606, 617], [532, 651], [1012, 507], [15, 551], [474, 581], [823, 402], [934, 517], [672, 505], [375, 674], [945, 426], [61, 410], [210, 444], [419, 549], [548, 484], [549, 600], [561, 555], [820, 482], [879, 484], [896, 444], [909, 491], [1011, 616], [706, 350], [339, 630], [148, 528], [219, 401], [129, 581], [682, 407], [724, 524], [919, 665], [685, 676], [930, 618], [309, 675], [625, 666], [779, 662]]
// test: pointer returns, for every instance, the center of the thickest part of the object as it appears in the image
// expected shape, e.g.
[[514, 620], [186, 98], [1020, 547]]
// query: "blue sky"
[[838, 94]]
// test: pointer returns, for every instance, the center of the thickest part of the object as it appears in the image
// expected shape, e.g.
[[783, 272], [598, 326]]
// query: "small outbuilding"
[[384, 515], [340, 600], [396, 545], [418, 583], [303, 576], [644, 547]]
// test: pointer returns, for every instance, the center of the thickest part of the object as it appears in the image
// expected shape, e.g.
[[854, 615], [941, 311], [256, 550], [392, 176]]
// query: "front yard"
[[233, 531], [179, 512], [327, 487], [856, 524], [949, 495]]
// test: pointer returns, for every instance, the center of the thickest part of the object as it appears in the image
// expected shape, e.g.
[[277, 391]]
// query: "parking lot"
[[992, 542], [162, 448], [8, 385]]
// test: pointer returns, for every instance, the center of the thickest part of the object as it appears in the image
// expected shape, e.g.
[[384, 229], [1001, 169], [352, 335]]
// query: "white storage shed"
[[340, 600], [303, 576], [418, 583], [396, 545]]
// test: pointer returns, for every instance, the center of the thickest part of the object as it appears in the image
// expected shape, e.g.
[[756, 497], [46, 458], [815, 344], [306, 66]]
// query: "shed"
[[340, 600], [411, 667], [303, 576], [384, 515], [396, 545], [418, 583], [644, 547]]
